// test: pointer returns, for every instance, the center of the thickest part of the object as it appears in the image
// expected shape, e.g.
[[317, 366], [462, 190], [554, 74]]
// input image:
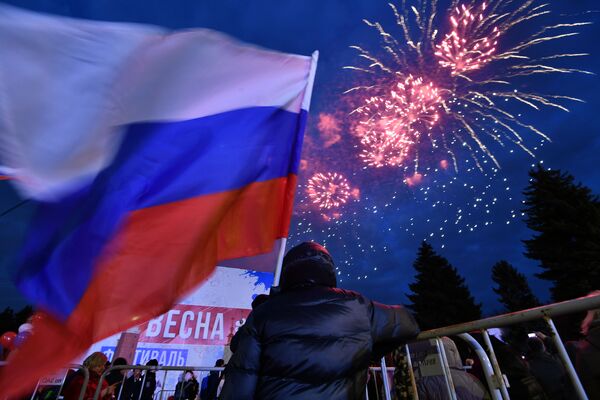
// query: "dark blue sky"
[[376, 236]]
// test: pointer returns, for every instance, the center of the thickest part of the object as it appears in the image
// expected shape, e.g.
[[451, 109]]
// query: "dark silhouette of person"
[[312, 340], [212, 382]]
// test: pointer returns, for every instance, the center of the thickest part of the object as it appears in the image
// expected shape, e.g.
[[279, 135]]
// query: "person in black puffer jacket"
[[311, 340]]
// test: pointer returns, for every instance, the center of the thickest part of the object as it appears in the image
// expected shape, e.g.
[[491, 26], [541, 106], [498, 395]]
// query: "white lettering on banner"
[[170, 323], [202, 325], [184, 332], [154, 326], [180, 360], [192, 324], [165, 356], [145, 357], [109, 354], [218, 328]]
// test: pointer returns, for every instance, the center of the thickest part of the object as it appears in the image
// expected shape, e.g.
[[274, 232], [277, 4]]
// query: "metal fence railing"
[[494, 378], [158, 393]]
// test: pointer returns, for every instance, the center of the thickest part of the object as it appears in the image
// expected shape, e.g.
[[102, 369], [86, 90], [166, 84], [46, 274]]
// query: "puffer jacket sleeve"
[[391, 326], [241, 373]]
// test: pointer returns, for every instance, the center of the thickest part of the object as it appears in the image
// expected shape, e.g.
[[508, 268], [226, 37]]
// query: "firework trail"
[[447, 91]]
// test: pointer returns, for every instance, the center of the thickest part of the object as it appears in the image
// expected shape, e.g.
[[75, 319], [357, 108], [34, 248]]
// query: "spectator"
[[311, 340], [132, 386], [116, 377], [522, 383], [95, 365], [549, 372], [209, 390], [587, 353], [467, 387], [150, 381], [187, 387]]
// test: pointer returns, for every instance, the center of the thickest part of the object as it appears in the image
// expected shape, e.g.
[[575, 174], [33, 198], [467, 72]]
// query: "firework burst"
[[391, 124], [466, 48], [446, 89], [328, 190]]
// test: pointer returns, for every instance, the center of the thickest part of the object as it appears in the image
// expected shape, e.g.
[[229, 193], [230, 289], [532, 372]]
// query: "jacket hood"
[[452, 354]]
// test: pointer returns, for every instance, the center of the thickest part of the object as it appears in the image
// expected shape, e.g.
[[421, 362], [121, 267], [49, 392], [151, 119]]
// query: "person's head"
[[592, 318], [308, 264], [120, 361], [137, 373], [220, 362], [535, 345], [188, 375], [258, 300], [152, 363], [95, 362]]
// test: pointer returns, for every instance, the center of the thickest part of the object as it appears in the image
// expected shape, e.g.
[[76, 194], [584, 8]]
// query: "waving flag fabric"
[[153, 156]]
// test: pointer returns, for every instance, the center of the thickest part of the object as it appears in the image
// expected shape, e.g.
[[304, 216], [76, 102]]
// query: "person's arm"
[[233, 345], [241, 373], [108, 391], [391, 326]]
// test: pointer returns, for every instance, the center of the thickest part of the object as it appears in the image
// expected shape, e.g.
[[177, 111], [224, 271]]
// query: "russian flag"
[[153, 156]]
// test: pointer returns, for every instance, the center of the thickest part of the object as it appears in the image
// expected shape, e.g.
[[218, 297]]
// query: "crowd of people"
[[123, 384], [312, 340], [128, 383]]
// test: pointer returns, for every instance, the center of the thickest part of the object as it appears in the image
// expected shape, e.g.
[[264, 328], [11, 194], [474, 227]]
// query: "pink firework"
[[384, 148], [468, 46], [392, 123], [328, 190], [481, 83]]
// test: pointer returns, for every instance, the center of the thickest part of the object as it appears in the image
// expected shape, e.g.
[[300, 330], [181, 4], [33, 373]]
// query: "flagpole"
[[279, 265], [305, 106]]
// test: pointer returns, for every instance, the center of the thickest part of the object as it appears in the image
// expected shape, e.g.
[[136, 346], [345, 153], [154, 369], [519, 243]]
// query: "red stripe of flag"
[[140, 275]]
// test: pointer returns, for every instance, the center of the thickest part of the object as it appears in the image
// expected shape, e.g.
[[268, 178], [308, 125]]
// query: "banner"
[[425, 359], [197, 331]]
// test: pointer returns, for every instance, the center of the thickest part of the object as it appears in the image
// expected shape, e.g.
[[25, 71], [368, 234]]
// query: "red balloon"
[[7, 340]]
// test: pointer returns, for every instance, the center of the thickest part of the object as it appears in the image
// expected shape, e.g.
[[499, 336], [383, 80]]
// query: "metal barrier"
[[384, 385], [70, 367], [147, 369], [493, 374]]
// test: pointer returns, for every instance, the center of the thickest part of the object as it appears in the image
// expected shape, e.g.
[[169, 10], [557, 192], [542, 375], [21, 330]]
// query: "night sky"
[[471, 217]]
